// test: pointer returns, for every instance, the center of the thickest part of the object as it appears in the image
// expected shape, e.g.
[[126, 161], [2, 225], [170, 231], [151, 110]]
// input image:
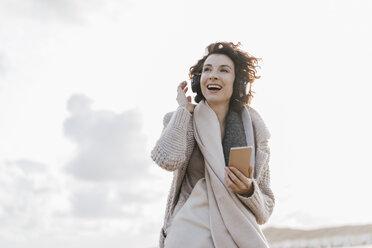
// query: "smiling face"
[[217, 79]]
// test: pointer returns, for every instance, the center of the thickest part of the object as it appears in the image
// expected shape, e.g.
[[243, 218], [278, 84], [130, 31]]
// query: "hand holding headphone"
[[182, 99]]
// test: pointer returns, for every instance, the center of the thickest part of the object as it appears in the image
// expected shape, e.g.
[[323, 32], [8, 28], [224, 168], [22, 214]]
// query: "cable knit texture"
[[173, 150], [176, 142]]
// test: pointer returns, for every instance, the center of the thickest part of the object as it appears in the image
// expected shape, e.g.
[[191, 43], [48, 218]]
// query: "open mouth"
[[214, 87]]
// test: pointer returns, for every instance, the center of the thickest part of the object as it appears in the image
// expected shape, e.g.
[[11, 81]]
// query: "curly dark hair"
[[245, 72]]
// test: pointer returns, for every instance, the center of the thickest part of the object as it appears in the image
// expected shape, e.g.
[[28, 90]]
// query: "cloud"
[[110, 168], [28, 166], [2, 65], [65, 10], [97, 203], [108, 201], [110, 147], [28, 193], [32, 200]]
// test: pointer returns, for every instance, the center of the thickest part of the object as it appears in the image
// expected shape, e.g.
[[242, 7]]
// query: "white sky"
[[84, 86]]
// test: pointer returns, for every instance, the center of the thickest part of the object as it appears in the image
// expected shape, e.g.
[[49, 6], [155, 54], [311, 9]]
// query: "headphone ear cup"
[[195, 83], [244, 96], [242, 89]]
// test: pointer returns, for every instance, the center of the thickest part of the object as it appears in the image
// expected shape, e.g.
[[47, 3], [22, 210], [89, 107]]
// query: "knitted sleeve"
[[174, 147], [262, 201]]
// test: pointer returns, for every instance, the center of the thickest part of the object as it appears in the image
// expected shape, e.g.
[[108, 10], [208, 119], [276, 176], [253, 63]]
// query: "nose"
[[213, 75]]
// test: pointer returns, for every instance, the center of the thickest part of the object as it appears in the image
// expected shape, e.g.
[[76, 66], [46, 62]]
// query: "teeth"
[[214, 86]]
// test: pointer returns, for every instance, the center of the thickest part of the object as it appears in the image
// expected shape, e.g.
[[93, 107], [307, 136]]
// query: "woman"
[[210, 204]]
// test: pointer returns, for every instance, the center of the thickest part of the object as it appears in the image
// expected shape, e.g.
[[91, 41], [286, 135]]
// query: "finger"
[[179, 90], [189, 98], [234, 178], [240, 175], [181, 97], [182, 85], [250, 172], [230, 184], [185, 89], [225, 179]]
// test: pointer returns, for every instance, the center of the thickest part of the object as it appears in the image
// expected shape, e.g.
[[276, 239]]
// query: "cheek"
[[203, 83], [203, 80], [230, 91], [230, 84]]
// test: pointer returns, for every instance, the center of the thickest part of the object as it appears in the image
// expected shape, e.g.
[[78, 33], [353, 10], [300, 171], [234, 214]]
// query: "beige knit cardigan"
[[173, 150]]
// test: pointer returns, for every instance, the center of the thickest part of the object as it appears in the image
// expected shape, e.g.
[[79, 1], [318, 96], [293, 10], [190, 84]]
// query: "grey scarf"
[[236, 132]]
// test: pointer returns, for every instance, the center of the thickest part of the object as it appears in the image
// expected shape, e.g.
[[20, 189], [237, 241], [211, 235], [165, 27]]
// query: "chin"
[[216, 100]]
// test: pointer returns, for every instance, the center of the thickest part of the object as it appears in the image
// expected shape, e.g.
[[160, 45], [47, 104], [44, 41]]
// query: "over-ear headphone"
[[242, 88], [195, 83]]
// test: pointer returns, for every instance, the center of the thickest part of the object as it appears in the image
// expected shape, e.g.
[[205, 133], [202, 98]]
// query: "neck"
[[221, 111]]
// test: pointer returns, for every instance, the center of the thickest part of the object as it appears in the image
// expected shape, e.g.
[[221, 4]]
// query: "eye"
[[206, 69], [224, 70]]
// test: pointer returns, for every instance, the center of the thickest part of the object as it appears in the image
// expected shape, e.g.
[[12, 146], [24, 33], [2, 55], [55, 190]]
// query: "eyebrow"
[[220, 65]]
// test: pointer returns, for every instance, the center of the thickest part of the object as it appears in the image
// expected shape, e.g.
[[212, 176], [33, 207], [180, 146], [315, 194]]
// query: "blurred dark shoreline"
[[339, 236]]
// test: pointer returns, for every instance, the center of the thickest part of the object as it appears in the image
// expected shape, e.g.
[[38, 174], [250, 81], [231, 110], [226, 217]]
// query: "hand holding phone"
[[240, 158]]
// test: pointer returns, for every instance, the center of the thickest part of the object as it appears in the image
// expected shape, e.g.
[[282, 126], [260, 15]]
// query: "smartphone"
[[240, 158]]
